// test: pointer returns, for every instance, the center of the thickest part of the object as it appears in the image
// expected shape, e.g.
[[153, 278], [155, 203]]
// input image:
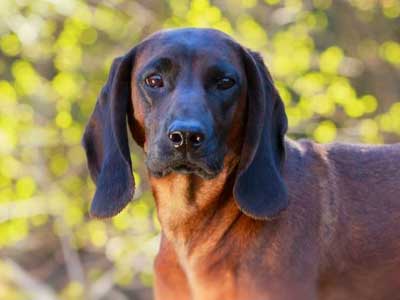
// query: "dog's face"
[[192, 98], [186, 87]]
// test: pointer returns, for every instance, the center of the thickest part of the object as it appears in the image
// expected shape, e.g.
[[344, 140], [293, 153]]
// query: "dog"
[[246, 213]]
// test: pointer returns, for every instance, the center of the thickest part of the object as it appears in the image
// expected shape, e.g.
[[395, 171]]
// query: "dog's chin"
[[186, 168]]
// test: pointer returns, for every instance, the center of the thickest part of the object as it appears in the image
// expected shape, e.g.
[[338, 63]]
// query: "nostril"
[[195, 139], [177, 139]]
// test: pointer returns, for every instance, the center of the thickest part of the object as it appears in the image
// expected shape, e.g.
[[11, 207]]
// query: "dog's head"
[[191, 97]]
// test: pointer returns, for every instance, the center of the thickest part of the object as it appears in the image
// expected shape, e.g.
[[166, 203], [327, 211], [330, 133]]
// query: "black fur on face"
[[193, 99], [187, 81]]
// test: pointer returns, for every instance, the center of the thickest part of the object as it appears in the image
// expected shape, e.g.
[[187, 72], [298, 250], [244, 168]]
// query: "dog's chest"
[[225, 275], [234, 285]]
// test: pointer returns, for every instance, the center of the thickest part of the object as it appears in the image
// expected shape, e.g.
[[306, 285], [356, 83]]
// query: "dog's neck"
[[197, 215], [184, 202]]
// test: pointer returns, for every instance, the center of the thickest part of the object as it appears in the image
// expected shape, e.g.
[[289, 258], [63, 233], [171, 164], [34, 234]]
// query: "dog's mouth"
[[187, 167]]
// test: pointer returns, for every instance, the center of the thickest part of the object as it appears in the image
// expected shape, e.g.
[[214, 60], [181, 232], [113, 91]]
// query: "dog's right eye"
[[154, 81], [225, 83]]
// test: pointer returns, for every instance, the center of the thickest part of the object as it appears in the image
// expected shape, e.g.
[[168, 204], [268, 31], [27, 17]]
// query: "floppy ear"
[[259, 189], [106, 142]]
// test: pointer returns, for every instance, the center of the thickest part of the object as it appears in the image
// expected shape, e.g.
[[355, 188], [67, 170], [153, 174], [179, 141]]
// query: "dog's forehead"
[[189, 44]]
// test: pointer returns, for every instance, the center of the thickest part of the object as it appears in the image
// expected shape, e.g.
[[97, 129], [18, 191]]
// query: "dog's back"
[[359, 217], [245, 213]]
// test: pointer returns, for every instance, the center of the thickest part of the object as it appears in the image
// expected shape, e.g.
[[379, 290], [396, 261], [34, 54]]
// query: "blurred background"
[[336, 64]]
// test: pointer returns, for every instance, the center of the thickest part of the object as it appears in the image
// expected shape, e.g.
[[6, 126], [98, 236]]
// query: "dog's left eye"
[[154, 81], [225, 83]]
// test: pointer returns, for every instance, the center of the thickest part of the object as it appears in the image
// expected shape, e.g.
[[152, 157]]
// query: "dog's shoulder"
[[363, 150], [382, 161], [342, 154]]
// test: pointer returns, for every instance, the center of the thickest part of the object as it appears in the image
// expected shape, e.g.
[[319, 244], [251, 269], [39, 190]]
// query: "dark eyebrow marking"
[[159, 64], [222, 69]]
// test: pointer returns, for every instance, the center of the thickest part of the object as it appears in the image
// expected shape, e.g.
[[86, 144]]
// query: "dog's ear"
[[106, 142], [259, 189]]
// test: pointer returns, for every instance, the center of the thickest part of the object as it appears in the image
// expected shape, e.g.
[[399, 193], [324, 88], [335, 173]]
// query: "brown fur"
[[337, 237]]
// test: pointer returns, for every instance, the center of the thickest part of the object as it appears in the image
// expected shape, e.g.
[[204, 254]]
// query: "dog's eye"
[[154, 81], [225, 83]]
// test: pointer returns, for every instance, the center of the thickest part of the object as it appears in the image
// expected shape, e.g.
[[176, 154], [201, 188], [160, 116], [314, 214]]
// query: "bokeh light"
[[336, 65]]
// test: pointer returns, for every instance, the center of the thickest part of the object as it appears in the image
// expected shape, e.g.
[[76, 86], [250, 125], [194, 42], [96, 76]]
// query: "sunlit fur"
[[324, 224]]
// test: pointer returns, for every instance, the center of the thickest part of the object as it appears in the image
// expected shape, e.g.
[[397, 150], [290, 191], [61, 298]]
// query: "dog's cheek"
[[149, 128], [215, 157], [159, 149]]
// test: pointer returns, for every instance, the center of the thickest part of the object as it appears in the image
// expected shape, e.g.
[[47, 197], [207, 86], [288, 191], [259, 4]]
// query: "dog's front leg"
[[170, 282]]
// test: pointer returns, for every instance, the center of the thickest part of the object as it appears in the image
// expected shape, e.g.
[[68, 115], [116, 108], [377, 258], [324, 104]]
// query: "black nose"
[[186, 135]]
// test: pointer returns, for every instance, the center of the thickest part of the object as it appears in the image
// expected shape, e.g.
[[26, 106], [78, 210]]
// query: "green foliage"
[[335, 63]]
